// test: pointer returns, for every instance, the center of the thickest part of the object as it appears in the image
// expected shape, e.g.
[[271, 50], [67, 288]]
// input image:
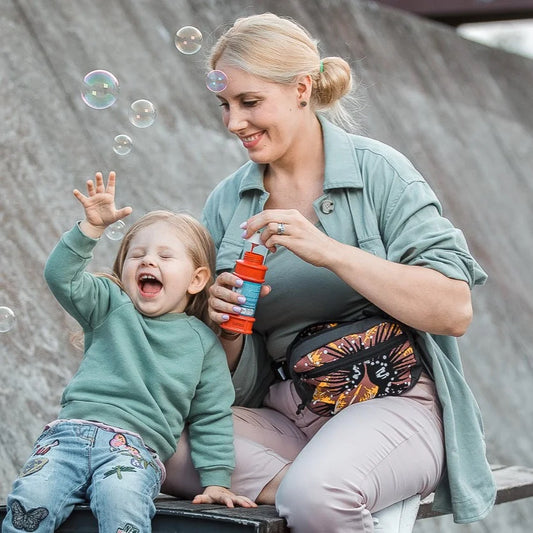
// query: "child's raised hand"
[[99, 205], [224, 496]]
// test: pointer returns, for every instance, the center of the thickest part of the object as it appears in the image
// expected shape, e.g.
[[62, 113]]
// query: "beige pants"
[[365, 458]]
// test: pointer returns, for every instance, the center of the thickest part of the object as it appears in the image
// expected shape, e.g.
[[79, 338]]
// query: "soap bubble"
[[188, 40], [116, 231], [142, 113], [216, 81], [100, 89], [7, 319], [122, 144]]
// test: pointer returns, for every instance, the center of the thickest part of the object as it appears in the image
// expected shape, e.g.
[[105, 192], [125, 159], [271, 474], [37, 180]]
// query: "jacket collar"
[[342, 166]]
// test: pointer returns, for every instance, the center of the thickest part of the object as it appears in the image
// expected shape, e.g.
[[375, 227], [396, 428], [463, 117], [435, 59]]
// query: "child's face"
[[158, 274]]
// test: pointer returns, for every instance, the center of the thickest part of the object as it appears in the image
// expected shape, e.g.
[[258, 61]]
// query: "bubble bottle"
[[252, 272]]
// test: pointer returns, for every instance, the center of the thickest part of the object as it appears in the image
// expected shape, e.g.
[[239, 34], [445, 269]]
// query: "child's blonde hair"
[[280, 50]]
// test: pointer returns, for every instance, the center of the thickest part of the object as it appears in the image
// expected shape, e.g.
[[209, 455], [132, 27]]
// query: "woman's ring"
[[281, 228]]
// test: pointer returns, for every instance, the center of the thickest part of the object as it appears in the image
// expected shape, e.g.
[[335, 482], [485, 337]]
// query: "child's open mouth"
[[149, 285]]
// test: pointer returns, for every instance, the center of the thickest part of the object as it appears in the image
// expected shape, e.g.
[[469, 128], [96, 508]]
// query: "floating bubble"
[[7, 319], [188, 40], [142, 113], [100, 89], [116, 231], [216, 81], [122, 144]]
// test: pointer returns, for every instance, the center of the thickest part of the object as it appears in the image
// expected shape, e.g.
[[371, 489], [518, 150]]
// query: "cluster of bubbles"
[[101, 89], [7, 319], [188, 40]]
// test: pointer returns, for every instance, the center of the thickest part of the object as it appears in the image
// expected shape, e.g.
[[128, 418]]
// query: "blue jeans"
[[76, 461]]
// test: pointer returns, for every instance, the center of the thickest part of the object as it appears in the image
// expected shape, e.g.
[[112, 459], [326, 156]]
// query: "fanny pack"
[[334, 365]]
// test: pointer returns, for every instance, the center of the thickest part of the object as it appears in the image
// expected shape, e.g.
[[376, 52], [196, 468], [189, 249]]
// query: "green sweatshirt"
[[147, 375]]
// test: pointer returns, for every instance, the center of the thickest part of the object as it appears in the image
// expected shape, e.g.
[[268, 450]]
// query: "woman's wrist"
[[228, 335]]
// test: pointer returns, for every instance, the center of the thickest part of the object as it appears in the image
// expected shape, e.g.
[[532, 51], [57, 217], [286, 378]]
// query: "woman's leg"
[[266, 440], [367, 457]]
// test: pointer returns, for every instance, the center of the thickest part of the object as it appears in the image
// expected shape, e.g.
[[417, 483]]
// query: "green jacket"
[[382, 204], [147, 375]]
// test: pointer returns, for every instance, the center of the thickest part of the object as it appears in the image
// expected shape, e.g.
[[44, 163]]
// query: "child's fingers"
[[124, 212], [99, 179], [111, 182], [91, 189], [79, 196]]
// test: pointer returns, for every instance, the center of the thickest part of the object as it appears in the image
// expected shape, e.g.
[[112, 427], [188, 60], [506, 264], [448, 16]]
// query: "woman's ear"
[[198, 280], [304, 88]]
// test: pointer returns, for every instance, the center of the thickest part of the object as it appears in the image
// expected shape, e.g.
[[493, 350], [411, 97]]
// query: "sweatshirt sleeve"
[[83, 295], [210, 417]]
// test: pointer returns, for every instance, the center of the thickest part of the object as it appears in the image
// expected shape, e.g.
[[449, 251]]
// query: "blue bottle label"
[[250, 291]]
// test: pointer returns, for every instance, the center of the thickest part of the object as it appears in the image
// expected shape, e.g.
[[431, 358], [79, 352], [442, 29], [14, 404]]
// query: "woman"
[[351, 226]]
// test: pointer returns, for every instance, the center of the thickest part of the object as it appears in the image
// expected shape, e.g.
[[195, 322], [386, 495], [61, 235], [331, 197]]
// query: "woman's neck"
[[304, 163], [296, 182]]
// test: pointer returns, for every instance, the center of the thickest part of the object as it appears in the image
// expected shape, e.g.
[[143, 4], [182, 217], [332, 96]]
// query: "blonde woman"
[[352, 227]]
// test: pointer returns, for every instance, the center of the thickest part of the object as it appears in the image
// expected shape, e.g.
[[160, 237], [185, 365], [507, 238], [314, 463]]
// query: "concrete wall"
[[459, 110]]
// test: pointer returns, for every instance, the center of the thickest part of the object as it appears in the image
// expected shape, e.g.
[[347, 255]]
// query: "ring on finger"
[[281, 228]]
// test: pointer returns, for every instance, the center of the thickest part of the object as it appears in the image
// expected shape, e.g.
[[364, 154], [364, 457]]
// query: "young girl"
[[150, 366]]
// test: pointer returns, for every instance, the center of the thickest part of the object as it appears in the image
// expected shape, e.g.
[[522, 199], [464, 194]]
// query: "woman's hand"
[[99, 205], [223, 300], [216, 494], [289, 228]]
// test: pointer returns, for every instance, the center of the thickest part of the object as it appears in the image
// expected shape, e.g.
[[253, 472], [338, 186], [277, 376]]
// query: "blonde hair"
[[280, 50]]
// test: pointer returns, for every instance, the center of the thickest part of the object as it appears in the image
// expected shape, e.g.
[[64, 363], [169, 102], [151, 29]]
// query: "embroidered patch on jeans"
[[128, 528], [41, 450], [120, 443], [118, 470], [27, 520], [33, 465]]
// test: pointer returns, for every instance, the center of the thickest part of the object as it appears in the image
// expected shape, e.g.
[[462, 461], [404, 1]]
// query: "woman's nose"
[[235, 121]]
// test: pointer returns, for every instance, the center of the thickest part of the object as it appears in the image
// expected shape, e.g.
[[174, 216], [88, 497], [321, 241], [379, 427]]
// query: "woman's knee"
[[317, 503]]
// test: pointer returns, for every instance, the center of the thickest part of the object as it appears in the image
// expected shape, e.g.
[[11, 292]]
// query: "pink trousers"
[[365, 458]]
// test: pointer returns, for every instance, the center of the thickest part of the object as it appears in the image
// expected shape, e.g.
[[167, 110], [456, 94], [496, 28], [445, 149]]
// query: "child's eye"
[[250, 103]]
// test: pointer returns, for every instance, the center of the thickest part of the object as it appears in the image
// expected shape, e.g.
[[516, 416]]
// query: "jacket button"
[[327, 206]]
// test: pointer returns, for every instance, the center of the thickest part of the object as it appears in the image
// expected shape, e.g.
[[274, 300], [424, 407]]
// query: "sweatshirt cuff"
[[220, 476]]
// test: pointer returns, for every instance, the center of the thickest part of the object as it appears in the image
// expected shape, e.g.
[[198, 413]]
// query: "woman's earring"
[[303, 103]]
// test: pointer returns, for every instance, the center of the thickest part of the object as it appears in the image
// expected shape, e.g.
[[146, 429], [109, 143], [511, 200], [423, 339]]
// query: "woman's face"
[[264, 115]]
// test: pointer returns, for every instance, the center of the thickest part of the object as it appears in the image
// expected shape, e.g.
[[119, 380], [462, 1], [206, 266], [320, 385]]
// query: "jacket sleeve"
[[411, 224]]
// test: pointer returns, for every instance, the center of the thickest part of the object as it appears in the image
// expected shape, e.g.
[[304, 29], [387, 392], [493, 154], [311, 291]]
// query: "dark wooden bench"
[[513, 482]]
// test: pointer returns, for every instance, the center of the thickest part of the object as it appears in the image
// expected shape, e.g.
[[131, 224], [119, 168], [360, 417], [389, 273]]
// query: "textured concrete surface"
[[459, 110]]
